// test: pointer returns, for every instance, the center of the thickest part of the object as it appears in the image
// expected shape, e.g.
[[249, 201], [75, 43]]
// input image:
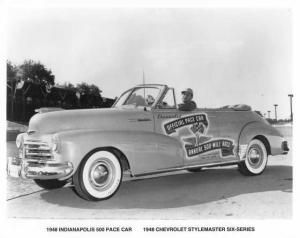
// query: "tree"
[[89, 95], [95, 90], [85, 88], [36, 72], [68, 85], [11, 72]]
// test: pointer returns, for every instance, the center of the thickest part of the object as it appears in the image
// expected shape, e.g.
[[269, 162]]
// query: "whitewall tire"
[[99, 176], [256, 159]]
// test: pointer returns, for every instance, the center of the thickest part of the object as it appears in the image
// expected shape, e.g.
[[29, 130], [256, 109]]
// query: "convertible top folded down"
[[238, 107]]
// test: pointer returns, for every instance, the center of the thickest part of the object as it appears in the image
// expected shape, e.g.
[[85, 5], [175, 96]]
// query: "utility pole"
[[275, 105], [291, 105], [143, 78], [269, 114], [144, 84]]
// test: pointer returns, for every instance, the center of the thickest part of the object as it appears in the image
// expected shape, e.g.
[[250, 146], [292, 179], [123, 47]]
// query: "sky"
[[227, 56]]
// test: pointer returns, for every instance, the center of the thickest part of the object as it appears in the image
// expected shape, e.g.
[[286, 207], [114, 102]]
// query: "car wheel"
[[50, 183], [98, 177], [195, 170], [256, 159]]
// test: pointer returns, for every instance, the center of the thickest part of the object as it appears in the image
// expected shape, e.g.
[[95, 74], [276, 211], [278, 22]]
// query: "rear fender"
[[270, 136]]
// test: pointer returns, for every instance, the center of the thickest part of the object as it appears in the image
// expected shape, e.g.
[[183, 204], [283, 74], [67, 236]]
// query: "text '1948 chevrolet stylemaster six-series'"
[[143, 133]]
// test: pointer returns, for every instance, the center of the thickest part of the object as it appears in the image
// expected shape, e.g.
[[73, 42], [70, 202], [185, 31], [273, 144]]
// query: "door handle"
[[144, 119], [139, 119]]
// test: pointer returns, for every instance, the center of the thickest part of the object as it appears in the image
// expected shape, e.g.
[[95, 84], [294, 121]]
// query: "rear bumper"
[[285, 147], [21, 168]]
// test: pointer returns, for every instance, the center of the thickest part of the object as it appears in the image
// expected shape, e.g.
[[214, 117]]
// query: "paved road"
[[219, 193]]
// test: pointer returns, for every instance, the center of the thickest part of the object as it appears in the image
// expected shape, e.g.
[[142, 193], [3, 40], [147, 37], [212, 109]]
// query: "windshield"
[[141, 96]]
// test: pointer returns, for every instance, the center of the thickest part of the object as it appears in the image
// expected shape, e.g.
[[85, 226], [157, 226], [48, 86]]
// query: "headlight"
[[19, 140], [55, 143]]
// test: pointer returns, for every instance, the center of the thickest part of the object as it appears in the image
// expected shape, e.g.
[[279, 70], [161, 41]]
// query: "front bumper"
[[26, 169]]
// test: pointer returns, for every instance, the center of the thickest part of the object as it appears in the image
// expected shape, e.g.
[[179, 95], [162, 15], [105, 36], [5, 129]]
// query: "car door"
[[196, 132]]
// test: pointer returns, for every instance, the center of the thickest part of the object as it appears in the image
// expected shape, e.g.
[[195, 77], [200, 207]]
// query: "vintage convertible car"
[[143, 133]]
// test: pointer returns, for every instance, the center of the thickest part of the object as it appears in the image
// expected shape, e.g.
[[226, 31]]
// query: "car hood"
[[98, 119]]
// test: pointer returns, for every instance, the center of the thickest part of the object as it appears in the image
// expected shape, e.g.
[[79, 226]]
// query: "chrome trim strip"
[[38, 148], [38, 154], [44, 161], [187, 167], [27, 142]]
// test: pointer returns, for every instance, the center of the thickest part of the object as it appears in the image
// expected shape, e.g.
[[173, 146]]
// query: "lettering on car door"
[[195, 133]]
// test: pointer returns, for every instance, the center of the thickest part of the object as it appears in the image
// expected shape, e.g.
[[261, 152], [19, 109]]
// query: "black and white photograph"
[[149, 113]]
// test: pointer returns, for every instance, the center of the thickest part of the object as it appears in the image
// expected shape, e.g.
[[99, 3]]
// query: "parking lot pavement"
[[216, 193]]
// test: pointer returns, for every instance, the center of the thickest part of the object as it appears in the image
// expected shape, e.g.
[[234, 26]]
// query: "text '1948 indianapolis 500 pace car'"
[[94, 147]]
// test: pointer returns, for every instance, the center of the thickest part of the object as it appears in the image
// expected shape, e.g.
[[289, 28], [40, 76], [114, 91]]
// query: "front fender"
[[269, 135], [142, 149]]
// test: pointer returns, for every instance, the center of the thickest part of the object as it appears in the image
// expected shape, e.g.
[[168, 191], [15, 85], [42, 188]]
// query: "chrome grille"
[[37, 150]]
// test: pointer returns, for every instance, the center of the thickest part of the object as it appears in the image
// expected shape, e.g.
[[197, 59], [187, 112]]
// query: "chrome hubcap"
[[101, 174], [255, 156]]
